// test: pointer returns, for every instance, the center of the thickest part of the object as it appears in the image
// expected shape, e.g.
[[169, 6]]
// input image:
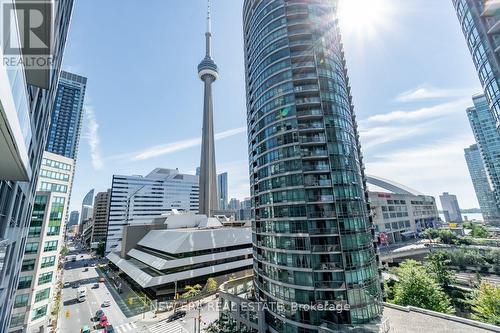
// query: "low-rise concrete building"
[[399, 212], [177, 250]]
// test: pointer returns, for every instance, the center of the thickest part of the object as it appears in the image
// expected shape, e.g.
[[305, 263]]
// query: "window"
[[48, 261], [31, 248], [17, 319], [39, 312], [21, 300], [25, 282], [51, 187], [42, 294], [53, 231], [387, 226], [28, 265], [50, 246], [45, 278]]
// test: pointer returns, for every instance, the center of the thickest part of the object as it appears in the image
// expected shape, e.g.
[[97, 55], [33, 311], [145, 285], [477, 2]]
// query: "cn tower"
[[208, 73]]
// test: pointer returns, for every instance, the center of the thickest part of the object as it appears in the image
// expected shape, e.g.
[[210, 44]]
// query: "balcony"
[[306, 88], [329, 284], [314, 153], [305, 77], [312, 139], [327, 266], [325, 248], [308, 100], [323, 231], [318, 183]]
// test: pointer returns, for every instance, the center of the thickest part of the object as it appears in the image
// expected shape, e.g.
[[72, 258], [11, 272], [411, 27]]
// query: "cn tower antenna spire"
[[209, 24]]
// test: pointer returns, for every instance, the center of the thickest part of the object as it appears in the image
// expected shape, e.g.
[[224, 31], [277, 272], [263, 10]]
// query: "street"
[[74, 315]]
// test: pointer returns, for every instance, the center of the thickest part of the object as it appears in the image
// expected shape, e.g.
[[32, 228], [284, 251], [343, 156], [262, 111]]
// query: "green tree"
[[418, 288], [446, 236], [479, 231], [191, 291], [486, 304], [211, 285], [438, 266], [64, 250], [100, 249]]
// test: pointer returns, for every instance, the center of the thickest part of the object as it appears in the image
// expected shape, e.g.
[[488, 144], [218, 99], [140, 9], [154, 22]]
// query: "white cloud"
[[375, 136], [435, 111], [181, 145], [92, 136], [430, 169], [427, 92]]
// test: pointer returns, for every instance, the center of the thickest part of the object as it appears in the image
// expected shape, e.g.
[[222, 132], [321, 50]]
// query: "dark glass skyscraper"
[[484, 193], [478, 19], [67, 112], [312, 235]]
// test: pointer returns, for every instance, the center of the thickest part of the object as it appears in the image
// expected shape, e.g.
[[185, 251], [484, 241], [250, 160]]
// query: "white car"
[[106, 303]]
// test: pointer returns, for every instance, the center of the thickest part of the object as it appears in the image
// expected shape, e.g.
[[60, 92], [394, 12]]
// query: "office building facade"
[[74, 217], [39, 268], [138, 199], [399, 213], [100, 216], [313, 238], [479, 21], [222, 190], [451, 209], [67, 114], [479, 178], [26, 96], [487, 137]]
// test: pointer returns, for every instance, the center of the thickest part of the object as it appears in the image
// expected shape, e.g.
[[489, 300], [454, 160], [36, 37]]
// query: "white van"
[[81, 294]]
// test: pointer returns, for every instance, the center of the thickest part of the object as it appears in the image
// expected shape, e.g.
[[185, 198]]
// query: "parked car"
[[109, 329], [101, 279], [103, 322], [76, 285], [106, 303], [176, 315], [99, 314], [85, 329], [95, 286], [66, 284]]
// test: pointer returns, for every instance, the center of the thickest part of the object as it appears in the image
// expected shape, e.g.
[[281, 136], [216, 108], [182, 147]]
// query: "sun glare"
[[364, 19]]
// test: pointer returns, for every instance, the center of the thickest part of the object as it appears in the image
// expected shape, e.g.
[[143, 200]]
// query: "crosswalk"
[[164, 327], [128, 327]]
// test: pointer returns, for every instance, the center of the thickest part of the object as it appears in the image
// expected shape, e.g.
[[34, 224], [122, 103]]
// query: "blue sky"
[[411, 76]]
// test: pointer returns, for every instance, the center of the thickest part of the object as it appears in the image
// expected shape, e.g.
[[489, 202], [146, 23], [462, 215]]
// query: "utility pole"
[[175, 294], [199, 318]]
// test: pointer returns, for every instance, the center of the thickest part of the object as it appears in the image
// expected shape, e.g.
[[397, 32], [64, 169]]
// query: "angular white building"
[[139, 199], [182, 249], [39, 271]]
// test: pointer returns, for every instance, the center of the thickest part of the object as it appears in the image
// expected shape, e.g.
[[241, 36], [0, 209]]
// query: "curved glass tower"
[[312, 234]]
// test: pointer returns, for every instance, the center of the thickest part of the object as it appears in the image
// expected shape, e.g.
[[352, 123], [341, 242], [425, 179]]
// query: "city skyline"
[[413, 122]]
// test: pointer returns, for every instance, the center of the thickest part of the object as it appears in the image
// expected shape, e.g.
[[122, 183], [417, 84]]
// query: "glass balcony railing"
[[302, 76], [327, 266], [330, 284], [325, 248]]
